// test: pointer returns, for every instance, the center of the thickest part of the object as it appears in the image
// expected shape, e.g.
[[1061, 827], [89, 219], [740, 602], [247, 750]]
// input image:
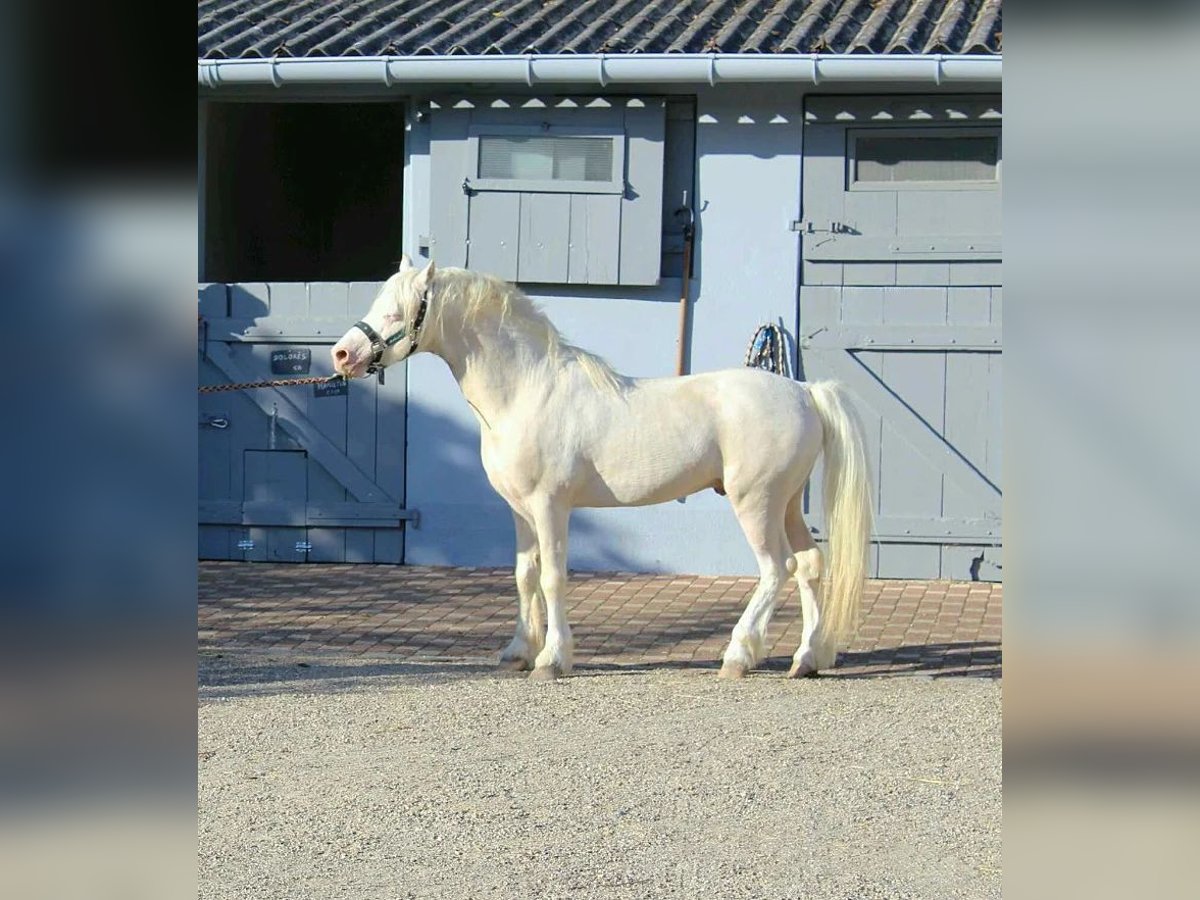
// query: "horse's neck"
[[495, 366]]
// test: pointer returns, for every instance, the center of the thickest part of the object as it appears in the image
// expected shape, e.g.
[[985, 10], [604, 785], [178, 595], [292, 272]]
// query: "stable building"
[[841, 163]]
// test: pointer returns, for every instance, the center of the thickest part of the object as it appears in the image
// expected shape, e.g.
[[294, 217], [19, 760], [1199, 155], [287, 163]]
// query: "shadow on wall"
[[767, 133]]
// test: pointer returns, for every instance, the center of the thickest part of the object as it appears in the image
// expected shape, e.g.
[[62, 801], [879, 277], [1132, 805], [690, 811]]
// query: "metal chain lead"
[[283, 382]]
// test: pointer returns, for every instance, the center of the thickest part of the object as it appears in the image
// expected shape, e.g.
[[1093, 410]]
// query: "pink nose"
[[341, 355]]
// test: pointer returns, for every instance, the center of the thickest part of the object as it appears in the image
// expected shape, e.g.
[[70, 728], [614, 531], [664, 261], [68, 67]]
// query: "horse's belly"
[[642, 473], [634, 492]]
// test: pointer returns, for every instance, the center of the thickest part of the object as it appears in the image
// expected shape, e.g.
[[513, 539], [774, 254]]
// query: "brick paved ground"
[[419, 612]]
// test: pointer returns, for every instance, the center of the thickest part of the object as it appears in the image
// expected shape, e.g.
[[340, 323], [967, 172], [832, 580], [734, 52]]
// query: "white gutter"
[[599, 69]]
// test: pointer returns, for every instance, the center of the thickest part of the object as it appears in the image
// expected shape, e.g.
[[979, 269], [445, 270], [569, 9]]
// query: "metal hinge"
[[808, 227]]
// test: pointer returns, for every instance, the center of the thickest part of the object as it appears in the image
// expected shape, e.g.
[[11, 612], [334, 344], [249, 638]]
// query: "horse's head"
[[391, 330]]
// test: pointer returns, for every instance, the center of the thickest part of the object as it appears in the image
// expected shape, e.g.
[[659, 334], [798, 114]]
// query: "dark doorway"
[[303, 191]]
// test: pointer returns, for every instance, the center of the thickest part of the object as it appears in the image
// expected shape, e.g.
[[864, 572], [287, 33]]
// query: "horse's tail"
[[847, 512]]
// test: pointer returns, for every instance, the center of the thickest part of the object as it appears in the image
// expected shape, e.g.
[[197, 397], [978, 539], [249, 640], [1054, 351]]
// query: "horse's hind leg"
[[812, 655], [531, 626], [762, 521]]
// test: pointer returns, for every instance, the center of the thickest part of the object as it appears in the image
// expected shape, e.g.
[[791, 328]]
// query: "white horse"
[[560, 429]]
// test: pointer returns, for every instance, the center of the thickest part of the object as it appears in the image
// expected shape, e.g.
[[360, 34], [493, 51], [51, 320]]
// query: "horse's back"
[[755, 402]]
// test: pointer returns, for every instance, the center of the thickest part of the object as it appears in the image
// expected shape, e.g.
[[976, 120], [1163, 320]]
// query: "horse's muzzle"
[[349, 359]]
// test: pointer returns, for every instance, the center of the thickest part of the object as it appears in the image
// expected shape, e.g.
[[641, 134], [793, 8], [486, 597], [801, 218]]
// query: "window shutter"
[[552, 191]]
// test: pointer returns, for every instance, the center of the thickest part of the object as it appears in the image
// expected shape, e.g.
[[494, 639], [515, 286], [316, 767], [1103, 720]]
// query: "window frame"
[[615, 184], [855, 184]]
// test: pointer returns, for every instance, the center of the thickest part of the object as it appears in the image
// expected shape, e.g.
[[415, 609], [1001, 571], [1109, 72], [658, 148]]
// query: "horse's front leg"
[[530, 634], [556, 657]]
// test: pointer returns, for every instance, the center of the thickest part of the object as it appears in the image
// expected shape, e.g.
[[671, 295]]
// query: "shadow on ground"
[[972, 659], [966, 659], [257, 673]]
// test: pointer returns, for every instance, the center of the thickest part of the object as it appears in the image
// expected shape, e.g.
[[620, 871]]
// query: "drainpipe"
[[600, 69]]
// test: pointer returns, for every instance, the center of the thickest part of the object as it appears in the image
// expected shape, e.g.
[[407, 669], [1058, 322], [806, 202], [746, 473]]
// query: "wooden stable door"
[[304, 473], [900, 299]]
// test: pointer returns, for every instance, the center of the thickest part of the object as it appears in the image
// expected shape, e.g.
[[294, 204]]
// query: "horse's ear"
[[405, 263], [424, 278]]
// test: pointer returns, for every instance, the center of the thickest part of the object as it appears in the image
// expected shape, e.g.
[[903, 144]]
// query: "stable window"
[[923, 159], [524, 159], [302, 191]]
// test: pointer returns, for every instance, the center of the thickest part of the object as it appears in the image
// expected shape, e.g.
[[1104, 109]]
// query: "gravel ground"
[[332, 778]]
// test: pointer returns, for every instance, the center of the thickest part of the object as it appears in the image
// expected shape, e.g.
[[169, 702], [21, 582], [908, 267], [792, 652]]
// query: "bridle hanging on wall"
[[766, 350]]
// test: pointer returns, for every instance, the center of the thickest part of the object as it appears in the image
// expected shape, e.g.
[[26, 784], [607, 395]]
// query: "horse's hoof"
[[546, 673], [514, 664], [802, 670], [733, 670]]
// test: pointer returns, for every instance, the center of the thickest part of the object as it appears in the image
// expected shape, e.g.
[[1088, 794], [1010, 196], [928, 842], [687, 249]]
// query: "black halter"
[[378, 344]]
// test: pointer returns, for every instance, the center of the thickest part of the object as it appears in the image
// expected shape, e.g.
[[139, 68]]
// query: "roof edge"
[[601, 69]]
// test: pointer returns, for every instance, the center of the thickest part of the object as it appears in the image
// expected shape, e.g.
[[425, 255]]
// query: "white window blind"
[[557, 158], [902, 158]]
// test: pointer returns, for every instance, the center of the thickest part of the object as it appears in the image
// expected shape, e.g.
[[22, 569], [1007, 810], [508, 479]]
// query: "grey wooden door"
[[301, 473], [900, 299]]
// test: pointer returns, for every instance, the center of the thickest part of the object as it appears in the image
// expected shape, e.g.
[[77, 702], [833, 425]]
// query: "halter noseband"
[[378, 344]]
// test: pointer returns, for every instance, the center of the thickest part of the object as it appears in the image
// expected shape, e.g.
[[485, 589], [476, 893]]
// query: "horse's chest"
[[512, 464]]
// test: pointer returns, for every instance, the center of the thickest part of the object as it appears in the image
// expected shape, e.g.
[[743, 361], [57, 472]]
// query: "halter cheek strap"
[[379, 344]]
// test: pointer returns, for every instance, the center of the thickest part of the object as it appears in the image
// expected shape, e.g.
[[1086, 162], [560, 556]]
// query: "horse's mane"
[[475, 294]]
